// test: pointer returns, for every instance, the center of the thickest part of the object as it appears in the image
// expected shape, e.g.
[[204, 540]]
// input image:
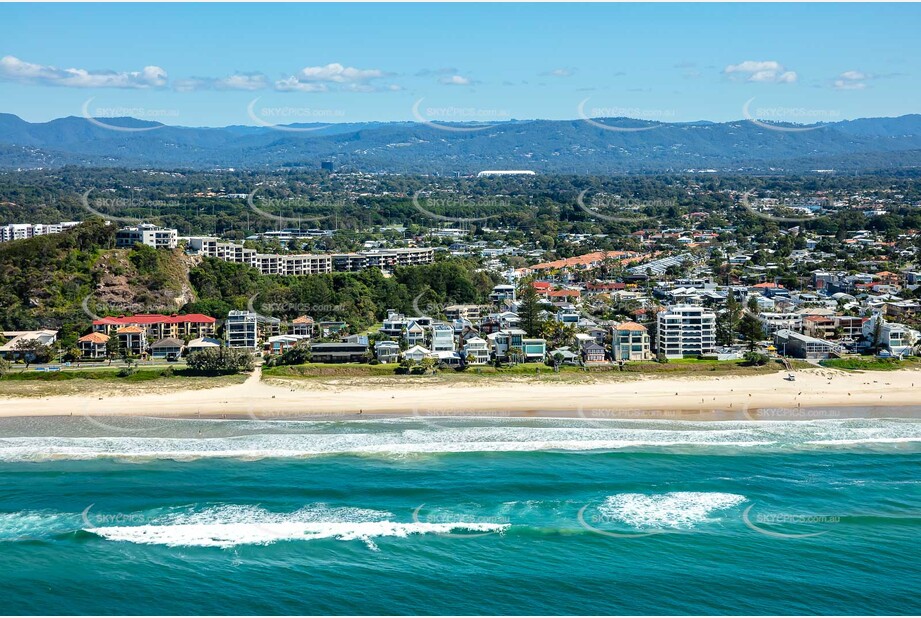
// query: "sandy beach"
[[742, 396]]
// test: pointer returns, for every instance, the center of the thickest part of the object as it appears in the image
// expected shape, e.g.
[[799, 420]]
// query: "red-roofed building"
[[158, 326], [563, 294]]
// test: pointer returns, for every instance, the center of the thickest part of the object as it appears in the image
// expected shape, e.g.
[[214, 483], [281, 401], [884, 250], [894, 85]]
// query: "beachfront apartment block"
[[158, 326], [147, 234], [242, 330], [685, 330], [20, 231]]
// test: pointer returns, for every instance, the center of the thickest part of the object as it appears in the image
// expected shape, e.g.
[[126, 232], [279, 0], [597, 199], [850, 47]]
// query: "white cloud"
[[319, 78], [561, 72], [239, 81], [14, 69], [764, 71], [852, 80], [456, 80]]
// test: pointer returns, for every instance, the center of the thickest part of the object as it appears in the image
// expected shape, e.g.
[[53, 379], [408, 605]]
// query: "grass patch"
[[871, 363], [108, 381]]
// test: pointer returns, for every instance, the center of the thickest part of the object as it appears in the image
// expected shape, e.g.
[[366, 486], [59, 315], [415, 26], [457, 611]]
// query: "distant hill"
[[573, 146]]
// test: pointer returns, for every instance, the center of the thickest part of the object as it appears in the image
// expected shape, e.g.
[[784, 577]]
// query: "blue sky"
[[220, 64]]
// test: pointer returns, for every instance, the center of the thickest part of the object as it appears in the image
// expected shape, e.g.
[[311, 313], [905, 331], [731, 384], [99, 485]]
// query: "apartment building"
[[630, 342], [20, 231], [147, 234], [158, 326], [685, 330], [308, 263], [242, 330]]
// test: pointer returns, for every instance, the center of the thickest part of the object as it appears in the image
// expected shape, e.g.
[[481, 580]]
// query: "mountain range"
[[598, 146]]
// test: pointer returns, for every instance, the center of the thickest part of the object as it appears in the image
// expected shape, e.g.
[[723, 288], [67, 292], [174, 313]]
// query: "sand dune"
[[752, 396]]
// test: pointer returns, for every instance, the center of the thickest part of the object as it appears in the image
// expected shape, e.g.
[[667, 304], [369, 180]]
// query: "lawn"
[[872, 363]]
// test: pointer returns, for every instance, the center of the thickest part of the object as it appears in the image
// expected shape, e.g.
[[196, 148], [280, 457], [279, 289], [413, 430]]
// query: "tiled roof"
[[155, 318], [94, 338]]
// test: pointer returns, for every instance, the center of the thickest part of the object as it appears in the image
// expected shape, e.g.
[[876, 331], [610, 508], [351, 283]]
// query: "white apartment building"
[[242, 330], [771, 322], [147, 234], [685, 330], [19, 231], [309, 263]]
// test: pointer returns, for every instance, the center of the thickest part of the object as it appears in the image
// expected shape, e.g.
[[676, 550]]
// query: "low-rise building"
[[93, 345], [630, 342], [147, 234]]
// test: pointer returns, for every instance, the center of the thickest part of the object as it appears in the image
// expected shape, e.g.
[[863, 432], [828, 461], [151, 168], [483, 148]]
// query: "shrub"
[[220, 360]]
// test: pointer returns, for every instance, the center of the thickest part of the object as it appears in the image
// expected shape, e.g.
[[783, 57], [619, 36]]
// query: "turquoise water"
[[452, 516]]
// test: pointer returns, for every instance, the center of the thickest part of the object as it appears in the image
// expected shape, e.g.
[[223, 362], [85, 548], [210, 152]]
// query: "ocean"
[[460, 516]]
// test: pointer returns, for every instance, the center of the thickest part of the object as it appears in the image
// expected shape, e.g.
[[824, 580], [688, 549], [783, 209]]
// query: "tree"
[[33, 351], [752, 333], [4, 366], [727, 323], [529, 308], [220, 360]]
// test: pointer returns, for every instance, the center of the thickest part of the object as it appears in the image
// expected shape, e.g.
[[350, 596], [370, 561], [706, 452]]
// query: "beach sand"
[[740, 396]]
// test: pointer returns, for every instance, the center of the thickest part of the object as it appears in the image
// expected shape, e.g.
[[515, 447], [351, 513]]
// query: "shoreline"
[[754, 397]]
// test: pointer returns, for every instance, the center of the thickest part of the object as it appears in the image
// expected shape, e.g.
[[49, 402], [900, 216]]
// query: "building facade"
[[685, 330]]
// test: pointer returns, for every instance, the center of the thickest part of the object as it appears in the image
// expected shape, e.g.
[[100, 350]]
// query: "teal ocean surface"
[[460, 516]]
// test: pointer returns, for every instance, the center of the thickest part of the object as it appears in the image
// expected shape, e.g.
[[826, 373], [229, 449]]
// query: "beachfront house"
[[417, 353], [414, 334], [169, 348], [442, 337], [202, 343], [534, 350], [503, 342], [593, 353], [476, 351], [339, 352], [387, 351], [11, 349], [797, 345]]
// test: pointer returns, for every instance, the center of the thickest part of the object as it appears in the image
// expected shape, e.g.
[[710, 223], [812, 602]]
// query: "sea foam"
[[679, 509]]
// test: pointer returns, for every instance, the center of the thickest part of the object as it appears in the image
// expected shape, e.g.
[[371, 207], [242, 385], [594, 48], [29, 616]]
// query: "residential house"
[[593, 353], [534, 349], [442, 337], [387, 351], [167, 348], [414, 334], [630, 342], [10, 349], [302, 326], [417, 353], [202, 343], [897, 338], [476, 351], [338, 352]]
